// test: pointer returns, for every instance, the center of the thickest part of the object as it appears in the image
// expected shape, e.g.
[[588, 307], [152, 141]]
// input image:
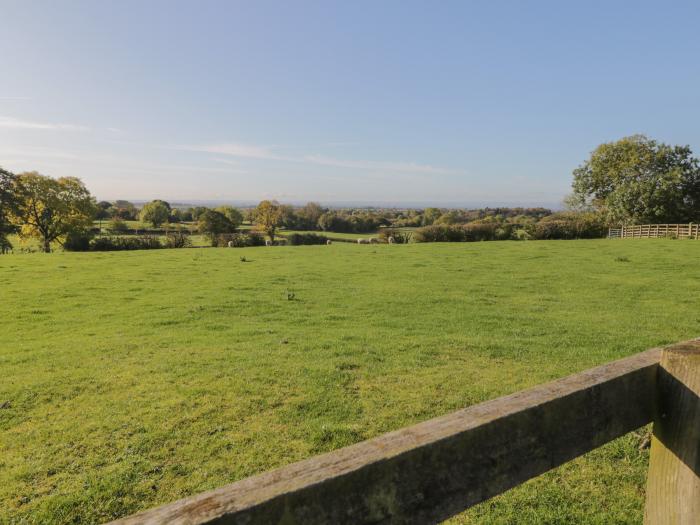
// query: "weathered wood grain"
[[428, 472], [673, 485]]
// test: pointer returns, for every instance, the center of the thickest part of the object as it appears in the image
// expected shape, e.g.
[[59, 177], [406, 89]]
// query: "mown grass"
[[131, 379]]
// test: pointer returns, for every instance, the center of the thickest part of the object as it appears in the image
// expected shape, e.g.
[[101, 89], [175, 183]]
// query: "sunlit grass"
[[131, 379]]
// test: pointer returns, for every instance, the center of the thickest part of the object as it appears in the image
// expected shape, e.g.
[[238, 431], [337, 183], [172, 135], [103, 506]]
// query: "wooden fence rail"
[[433, 470], [652, 231]]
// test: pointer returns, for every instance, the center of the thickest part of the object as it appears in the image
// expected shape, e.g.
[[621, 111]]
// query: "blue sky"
[[374, 101]]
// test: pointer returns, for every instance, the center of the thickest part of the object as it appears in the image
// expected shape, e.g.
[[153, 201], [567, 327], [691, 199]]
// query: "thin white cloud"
[[21, 156], [15, 123], [406, 167], [236, 149], [39, 153], [179, 168]]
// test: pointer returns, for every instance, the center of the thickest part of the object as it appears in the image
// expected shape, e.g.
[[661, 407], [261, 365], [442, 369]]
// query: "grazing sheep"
[[391, 240], [328, 242], [268, 242], [362, 241], [230, 244]]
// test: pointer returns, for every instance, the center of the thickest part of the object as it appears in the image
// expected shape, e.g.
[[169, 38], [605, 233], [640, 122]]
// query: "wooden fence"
[[433, 470], [652, 231]]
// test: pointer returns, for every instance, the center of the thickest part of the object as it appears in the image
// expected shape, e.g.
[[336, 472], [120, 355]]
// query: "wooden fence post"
[[673, 485]]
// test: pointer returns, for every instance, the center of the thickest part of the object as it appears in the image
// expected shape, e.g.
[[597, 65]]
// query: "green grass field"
[[331, 235], [131, 379], [335, 235], [140, 225]]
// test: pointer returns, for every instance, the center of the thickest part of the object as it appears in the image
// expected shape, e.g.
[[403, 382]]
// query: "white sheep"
[[328, 242], [268, 242], [362, 241], [391, 240], [230, 244]]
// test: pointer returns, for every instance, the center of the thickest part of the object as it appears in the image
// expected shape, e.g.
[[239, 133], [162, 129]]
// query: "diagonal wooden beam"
[[433, 470]]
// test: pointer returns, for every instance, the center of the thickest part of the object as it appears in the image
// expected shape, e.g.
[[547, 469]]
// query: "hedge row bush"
[[108, 244], [399, 236], [563, 225], [297, 239], [177, 239], [470, 232], [570, 225], [239, 240], [77, 241]]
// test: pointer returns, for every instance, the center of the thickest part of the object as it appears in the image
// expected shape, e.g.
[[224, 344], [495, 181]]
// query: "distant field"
[[197, 239], [331, 235], [131, 379], [139, 225], [334, 235]]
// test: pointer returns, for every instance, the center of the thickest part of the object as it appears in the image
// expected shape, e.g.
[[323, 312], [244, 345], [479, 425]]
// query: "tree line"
[[634, 180]]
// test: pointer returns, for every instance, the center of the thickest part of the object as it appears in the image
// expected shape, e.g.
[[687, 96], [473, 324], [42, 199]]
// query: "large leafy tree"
[[155, 213], [639, 180], [309, 215], [213, 223], [51, 209], [329, 221], [232, 214], [103, 210], [8, 207], [288, 217], [124, 210], [268, 216]]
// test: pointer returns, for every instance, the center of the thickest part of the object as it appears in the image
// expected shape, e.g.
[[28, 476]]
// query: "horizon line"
[[357, 203]]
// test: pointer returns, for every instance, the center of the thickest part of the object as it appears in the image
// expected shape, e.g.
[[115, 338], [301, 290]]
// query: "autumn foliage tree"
[[51, 209], [268, 215]]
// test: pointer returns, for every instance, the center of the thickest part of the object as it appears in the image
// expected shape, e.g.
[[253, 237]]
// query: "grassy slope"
[[137, 378]]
